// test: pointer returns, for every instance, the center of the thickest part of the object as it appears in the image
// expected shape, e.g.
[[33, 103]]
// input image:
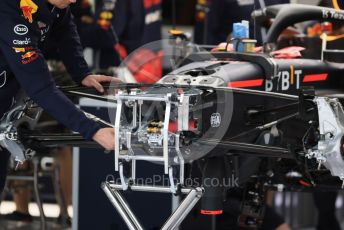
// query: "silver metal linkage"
[[112, 191], [170, 176], [125, 136], [140, 102], [122, 207], [142, 158], [117, 133], [183, 113], [184, 208], [124, 181], [135, 114], [181, 160], [146, 188], [165, 132]]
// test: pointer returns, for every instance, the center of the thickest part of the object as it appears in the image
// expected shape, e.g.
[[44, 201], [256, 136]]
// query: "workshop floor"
[[50, 210], [35, 225]]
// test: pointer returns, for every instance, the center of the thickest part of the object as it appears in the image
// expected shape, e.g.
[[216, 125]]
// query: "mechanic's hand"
[[106, 138], [222, 46], [95, 80]]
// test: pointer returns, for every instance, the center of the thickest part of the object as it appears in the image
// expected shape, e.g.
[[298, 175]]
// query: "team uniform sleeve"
[[67, 40], [30, 69], [217, 32]]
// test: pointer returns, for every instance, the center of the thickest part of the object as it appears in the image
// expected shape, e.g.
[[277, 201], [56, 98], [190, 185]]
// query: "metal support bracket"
[[193, 195], [124, 138]]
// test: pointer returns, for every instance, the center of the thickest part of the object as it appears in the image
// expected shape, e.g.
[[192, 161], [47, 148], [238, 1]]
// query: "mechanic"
[[149, 22], [95, 32], [82, 13], [136, 23], [214, 19], [117, 31], [26, 26]]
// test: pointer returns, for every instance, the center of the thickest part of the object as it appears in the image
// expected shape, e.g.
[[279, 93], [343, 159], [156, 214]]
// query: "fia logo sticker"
[[215, 120]]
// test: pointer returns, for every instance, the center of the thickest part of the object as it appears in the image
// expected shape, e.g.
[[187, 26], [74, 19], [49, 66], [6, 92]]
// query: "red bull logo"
[[105, 19], [28, 8], [29, 57], [28, 54]]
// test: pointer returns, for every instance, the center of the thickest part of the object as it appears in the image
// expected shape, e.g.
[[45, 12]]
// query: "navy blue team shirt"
[[25, 28]]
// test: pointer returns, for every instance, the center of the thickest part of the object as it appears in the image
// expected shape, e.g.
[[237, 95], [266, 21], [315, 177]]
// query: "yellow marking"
[[335, 4], [28, 8], [176, 32], [19, 50], [106, 15]]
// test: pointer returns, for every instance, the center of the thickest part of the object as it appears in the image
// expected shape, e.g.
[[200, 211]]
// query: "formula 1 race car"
[[274, 123]]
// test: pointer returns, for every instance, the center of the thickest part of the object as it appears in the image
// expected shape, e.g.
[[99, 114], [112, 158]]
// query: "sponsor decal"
[[41, 24], [19, 49], [27, 41], [284, 80], [245, 2], [44, 29], [332, 14], [20, 29], [28, 8], [107, 15], [22, 49], [29, 57], [104, 20], [43, 38], [215, 120], [200, 16], [293, 79], [201, 10], [3, 79], [153, 17]]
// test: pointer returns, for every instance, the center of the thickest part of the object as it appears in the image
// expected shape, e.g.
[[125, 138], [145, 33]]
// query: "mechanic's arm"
[[68, 42], [30, 69]]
